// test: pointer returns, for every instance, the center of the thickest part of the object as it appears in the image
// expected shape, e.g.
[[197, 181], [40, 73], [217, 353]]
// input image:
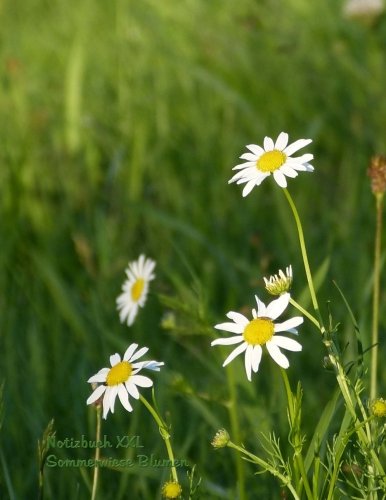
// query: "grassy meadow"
[[120, 124]]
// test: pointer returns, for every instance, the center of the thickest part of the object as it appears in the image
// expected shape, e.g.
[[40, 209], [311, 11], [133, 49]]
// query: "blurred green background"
[[120, 123]]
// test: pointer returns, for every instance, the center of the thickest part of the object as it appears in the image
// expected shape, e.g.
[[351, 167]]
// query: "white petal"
[[277, 306], [289, 324], [109, 400], [132, 389], [149, 365], [130, 351], [256, 150], [141, 380], [228, 341], [281, 141], [238, 318], [248, 187], [124, 398], [124, 312], [268, 144], [260, 177], [277, 355], [289, 171], [237, 176], [248, 174], [286, 343], [142, 299], [112, 396], [139, 353], [248, 362], [280, 178], [115, 359], [106, 403], [241, 348], [295, 146], [132, 314], [295, 165], [256, 357], [244, 165], [99, 377], [248, 156], [130, 279], [149, 268], [302, 159], [261, 309], [230, 327], [96, 394]]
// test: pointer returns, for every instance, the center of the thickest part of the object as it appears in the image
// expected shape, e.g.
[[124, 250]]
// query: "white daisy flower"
[[261, 330], [274, 158], [122, 379], [277, 284], [135, 289]]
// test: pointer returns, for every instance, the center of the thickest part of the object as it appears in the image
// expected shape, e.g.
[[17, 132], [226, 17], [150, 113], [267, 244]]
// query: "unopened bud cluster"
[[171, 490], [221, 439], [378, 408]]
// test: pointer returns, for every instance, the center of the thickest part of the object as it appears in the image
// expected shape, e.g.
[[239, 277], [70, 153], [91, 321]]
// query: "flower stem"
[[235, 430], [334, 356], [165, 435], [305, 259], [267, 466], [305, 312], [97, 451], [377, 273], [295, 431]]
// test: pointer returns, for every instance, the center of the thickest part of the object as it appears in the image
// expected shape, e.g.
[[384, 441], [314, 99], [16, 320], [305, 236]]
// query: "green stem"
[[332, 350], [336, 468], [97, 451], [165, 435], [362, 435], [305, 312], [235, 430], [305, 258], [377, 273], [297, 445], [265, 465]]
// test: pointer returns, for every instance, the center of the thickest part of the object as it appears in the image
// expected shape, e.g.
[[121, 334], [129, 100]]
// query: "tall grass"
[[120, 124]]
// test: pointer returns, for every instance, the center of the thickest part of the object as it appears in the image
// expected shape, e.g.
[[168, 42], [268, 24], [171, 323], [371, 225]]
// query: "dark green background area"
[[120, 124]]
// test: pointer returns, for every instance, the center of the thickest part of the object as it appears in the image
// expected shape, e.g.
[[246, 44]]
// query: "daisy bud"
[[221, 439], [378, 408], [171, 490], [280, 283]]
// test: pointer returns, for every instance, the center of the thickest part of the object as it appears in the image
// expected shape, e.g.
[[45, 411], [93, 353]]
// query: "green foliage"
[[121, 122]]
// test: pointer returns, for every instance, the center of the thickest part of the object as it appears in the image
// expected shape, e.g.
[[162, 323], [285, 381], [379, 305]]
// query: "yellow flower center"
[[271, 161], [258, 331], [171, 490], [119, 373], [379, 407], [137, 289]]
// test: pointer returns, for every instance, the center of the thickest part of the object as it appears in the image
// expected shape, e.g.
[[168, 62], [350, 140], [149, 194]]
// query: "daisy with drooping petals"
[[122, 379], [261, 330], [277, 284], [135, 289], [274, 158]]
